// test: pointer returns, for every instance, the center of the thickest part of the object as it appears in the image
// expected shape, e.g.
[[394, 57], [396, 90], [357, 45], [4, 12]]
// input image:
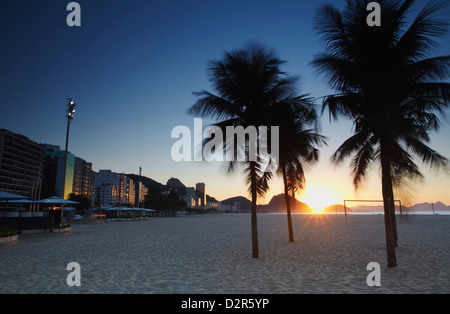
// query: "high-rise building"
[[201, 194], [80, 178], [140, 192], [106, 194], [119, 188], [130, 191], [83, 179], [21, 165], [54, 173], [106, 188]]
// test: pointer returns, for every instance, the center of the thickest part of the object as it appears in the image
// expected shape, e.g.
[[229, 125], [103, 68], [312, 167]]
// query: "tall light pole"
[[69, 115], [139, 188]]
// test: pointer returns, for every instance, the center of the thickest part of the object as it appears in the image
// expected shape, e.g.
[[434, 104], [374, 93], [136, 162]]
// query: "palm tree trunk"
[[255, 246], [288, 205], [386, 182], [393, 217]]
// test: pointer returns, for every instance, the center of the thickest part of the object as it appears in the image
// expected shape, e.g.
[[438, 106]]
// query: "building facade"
[[140, 192], [83, 179], [106, 195], [54, 173], [129, 190], [80, 178], [114, 189], [192, 202], [201, 194], [21, 165]]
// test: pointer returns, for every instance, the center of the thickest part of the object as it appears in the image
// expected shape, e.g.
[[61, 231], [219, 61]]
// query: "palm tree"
[[248, 83], [392, 88], [298, 146]]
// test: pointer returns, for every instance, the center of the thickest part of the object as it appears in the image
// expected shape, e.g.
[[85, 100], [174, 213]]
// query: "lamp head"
[[70, 108]]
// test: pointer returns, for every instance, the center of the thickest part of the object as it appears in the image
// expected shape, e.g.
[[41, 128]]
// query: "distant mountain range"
[[438, 206], [278, 203]]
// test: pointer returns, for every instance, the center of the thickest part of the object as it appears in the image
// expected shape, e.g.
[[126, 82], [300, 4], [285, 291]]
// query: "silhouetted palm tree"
[[390, 86], [248, 83], [298, 146]]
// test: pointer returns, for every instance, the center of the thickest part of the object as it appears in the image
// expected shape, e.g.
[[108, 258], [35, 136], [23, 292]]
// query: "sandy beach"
[[212, 255]]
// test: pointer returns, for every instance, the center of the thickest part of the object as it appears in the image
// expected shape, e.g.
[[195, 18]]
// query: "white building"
[[106, 195], [112, 188]]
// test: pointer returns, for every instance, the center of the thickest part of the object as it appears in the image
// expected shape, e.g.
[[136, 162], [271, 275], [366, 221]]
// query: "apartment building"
[[21, 165]]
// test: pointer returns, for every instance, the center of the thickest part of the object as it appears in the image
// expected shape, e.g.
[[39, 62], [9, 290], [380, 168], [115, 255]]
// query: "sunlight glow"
[[318, 197]]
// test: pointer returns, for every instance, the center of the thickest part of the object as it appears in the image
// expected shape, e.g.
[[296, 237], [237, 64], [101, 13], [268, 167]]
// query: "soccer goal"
[[371, 201]]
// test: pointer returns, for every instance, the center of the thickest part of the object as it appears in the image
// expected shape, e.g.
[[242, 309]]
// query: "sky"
[[132, 66]]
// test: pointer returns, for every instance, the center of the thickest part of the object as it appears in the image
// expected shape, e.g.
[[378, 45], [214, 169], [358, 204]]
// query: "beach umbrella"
[[55, 200], [19, 202], [9, 197]]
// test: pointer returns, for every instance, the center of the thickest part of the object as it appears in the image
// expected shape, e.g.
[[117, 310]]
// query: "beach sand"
[[211, 254]]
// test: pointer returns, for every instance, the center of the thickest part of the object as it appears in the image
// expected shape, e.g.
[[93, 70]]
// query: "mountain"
[[335, 207], [245, 204], [147, 182], [278, 204], [367, 208], [174, 182], [211, 199], [438, 206]]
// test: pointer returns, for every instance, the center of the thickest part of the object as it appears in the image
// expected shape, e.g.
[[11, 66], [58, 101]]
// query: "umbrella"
[[9, 196], [19, 202], [55, 200]]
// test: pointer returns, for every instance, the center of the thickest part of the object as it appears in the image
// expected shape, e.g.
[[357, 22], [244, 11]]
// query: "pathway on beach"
[[212, 254]]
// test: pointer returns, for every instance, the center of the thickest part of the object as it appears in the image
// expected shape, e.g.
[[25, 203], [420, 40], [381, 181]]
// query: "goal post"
[[371, 201]]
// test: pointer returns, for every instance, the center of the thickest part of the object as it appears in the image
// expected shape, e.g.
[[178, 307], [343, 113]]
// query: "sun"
[[317, 197]]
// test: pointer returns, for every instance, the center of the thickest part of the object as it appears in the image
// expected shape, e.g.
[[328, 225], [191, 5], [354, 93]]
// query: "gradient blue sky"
[[132, 67]]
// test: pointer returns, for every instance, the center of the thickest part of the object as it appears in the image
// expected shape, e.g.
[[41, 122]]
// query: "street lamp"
[[69, 115]]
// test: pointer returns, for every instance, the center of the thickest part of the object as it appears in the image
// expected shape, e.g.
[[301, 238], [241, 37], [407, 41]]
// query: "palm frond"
[[210, 105], [350, 146], [419, 40], [345, 105], [426, 154], [340, 74], [362, 161], [428, 70]]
